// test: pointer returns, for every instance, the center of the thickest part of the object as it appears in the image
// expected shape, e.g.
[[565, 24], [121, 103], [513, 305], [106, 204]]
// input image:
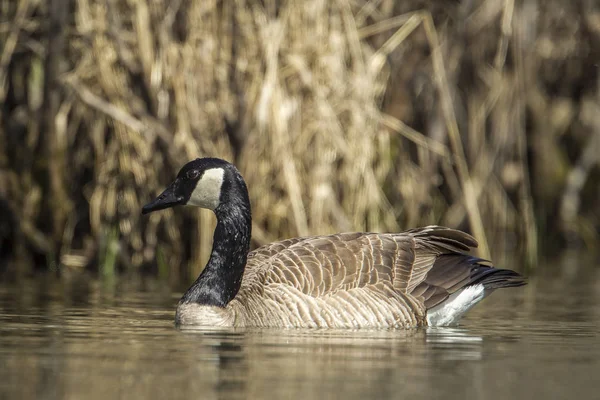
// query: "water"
[[79, 339]]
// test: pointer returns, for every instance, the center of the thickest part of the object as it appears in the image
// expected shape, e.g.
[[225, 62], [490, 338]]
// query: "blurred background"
[[342, 115]]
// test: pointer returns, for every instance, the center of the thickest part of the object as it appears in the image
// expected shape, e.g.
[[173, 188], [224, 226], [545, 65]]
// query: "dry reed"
[[368, 115]]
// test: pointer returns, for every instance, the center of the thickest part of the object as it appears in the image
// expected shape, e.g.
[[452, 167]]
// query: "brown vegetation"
[[365, 115]]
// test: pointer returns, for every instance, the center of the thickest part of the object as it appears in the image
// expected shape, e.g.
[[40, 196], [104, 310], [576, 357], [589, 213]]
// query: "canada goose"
[[347, 280]]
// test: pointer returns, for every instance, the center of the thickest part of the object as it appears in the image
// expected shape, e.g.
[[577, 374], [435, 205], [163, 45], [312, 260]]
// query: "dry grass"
[[368, 115]]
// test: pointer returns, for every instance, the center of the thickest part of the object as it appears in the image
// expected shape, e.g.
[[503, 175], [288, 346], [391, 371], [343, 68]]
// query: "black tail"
[[494, 278]]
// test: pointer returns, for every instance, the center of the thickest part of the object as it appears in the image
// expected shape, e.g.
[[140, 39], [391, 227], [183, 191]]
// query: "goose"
[[420, 277]]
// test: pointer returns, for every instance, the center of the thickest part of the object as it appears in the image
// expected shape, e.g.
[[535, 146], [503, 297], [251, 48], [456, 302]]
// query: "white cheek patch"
[[208, 189]]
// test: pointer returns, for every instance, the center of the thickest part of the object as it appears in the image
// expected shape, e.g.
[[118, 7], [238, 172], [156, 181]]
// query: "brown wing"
[[430, 243], [267, 251], [452, 272], [322, 265], [258, 261]]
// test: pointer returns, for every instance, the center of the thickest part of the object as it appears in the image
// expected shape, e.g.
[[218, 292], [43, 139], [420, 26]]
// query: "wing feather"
[[323, 265]]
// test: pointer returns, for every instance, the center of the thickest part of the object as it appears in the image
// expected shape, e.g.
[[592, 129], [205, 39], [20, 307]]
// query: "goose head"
[[217, 185], [209, 183]]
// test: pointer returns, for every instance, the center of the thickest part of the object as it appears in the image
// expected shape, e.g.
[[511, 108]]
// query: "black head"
[[199, 183]]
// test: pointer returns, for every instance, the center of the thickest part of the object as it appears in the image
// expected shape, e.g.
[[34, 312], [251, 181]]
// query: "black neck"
[[221, 279]]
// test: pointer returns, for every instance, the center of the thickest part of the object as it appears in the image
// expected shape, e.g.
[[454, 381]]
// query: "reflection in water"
[[457, 344], [74, 340], [343, 364]]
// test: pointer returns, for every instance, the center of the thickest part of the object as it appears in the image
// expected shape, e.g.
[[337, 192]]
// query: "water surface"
[[79, 339]]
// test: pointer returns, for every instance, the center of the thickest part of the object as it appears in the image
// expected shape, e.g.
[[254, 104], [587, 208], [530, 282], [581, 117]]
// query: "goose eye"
[[193, 174]]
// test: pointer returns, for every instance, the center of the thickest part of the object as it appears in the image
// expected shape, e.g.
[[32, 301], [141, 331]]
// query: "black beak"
[[167, 199]]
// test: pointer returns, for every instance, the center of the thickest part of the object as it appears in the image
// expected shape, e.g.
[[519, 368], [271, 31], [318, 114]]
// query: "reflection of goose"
[[454, 344], [418, 277]]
